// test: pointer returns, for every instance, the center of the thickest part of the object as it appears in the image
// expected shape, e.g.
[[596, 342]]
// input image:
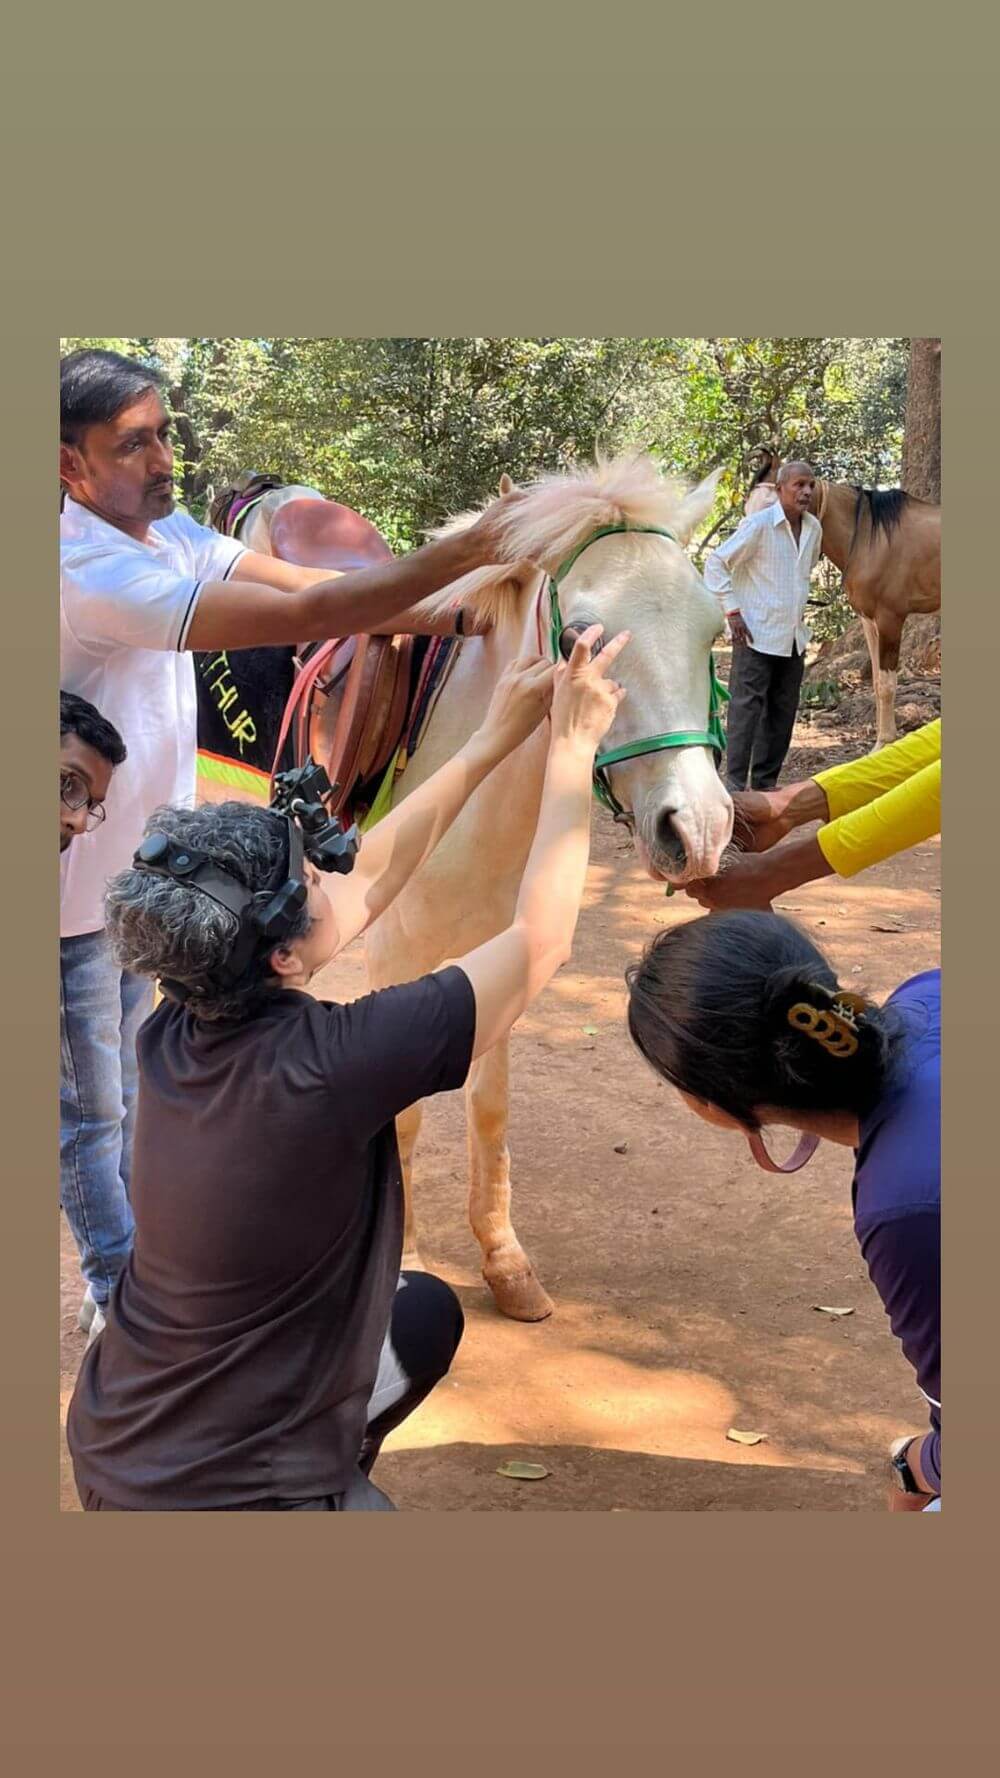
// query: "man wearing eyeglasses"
[[95, 1201], [89, 749]]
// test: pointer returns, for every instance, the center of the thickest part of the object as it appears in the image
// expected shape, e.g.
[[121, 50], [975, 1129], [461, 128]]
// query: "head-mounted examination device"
[[265, 916]]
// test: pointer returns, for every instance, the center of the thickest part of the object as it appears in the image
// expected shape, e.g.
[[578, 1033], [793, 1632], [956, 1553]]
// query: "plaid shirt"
[[761, 573]]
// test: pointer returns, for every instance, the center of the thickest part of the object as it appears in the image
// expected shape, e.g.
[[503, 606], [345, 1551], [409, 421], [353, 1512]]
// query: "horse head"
[[768, 459], [634, 577]]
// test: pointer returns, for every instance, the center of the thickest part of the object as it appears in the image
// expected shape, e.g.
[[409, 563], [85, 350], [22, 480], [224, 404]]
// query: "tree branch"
[[706, 540]]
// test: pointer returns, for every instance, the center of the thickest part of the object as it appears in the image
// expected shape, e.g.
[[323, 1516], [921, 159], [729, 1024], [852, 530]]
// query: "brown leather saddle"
[[348, 707]]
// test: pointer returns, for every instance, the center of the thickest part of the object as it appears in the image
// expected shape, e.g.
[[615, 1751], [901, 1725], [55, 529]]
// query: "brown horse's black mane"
[[885, 507]]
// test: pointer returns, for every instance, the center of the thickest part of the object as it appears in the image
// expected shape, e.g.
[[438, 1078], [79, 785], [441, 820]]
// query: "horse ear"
[[506, 485], [696, 506]]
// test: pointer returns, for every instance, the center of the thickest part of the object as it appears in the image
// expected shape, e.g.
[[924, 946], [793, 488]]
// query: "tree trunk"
[[922, 437], [922, 477]]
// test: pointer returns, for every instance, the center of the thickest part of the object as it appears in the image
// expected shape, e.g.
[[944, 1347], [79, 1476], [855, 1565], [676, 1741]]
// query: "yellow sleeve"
[[850, 786], [901, 818]]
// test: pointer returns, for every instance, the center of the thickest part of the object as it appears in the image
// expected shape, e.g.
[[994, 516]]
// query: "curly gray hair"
[[163, 928]]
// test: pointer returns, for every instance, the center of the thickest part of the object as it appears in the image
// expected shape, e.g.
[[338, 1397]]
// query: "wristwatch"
[[899, 1468]]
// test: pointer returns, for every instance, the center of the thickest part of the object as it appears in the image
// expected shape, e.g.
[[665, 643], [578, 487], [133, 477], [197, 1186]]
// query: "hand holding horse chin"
[[758, 822], [745, 883]]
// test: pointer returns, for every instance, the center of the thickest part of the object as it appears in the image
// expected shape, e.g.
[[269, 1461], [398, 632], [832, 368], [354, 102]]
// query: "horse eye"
[[570, 636]]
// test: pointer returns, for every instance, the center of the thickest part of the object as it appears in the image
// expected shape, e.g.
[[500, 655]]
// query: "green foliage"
[[819, 694], [410, 430], [829, 613]]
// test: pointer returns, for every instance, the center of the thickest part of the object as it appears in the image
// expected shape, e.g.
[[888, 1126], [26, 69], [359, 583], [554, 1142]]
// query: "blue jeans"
[[100, 1010]]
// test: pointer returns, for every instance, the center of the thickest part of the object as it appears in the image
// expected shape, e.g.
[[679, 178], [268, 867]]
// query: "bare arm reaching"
[[402, 840], [247, 613], [417, 620], [509, 971]]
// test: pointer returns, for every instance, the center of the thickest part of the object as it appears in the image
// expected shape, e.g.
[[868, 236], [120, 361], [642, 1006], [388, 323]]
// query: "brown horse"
[[887, 545]]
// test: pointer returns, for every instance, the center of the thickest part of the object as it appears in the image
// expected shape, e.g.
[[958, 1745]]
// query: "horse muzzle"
[[684, 843]]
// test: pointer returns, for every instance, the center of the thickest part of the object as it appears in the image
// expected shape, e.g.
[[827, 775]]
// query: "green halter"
[[713, 736]]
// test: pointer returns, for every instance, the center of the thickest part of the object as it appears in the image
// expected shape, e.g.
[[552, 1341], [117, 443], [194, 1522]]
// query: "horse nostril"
[[668, 841]]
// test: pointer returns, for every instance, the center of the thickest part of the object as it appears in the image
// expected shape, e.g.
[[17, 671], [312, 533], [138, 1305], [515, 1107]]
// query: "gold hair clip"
[[834, 1027]]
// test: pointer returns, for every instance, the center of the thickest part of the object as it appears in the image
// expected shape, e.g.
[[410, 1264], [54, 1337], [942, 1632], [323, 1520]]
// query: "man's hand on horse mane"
[[489, 534]]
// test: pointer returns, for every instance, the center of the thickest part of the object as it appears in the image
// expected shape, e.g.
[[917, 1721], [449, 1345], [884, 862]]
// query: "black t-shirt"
[[246, 1327]]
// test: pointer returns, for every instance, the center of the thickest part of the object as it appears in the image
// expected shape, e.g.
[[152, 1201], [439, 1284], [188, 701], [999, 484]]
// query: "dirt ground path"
[[684, 1278]]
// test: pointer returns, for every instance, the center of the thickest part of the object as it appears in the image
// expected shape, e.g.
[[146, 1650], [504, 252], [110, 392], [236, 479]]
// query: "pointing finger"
[[583, 647], [611, 650]]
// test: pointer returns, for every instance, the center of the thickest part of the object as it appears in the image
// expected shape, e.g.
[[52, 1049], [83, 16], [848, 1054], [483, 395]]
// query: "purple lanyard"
[[803, 1152]]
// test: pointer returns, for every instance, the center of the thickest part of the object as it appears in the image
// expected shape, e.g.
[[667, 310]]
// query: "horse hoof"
[[520, 1296]]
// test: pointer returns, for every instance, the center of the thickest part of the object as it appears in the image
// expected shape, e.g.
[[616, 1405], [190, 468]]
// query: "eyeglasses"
[[73, 793]]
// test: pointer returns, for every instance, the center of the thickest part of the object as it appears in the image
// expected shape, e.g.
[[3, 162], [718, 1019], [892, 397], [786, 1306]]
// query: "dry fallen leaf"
[[621, 1147], [590, 1030], [856, 970], [889, 928], [746, 1438], [523, 1472], [823, 1309]]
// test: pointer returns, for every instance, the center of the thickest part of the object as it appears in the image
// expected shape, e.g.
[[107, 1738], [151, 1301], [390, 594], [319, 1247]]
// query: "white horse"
[[635, 575]]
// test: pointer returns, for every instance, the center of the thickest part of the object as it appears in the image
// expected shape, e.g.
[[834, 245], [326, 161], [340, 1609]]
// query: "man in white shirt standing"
[[761, 575], [142, 587]]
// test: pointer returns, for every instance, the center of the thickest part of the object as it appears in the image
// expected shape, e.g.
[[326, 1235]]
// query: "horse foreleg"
[[506, 1267], [885, 672], [871, 638], [407, 1131]]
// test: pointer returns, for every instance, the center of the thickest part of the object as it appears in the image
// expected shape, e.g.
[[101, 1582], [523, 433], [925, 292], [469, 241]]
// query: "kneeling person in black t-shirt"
[[261, 1341]]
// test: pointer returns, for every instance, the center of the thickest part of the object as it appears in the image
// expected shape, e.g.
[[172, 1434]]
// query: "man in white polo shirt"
[[761, 575], [142, 586]]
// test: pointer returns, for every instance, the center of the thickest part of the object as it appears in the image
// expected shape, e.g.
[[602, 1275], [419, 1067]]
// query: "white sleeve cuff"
[[238, 558], [188, 616]]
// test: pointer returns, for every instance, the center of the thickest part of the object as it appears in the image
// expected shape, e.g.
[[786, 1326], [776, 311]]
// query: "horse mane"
[[885, 508], [556, 513]]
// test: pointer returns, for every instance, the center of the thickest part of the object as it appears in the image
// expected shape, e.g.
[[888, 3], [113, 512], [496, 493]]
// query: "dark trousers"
[[764, 698], [425, 1331]]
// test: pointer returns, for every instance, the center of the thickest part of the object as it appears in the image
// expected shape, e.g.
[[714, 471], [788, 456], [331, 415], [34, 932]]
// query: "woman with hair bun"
[[743, 1014]]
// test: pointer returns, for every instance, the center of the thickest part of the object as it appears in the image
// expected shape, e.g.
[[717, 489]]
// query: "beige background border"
[[232, 1642]]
